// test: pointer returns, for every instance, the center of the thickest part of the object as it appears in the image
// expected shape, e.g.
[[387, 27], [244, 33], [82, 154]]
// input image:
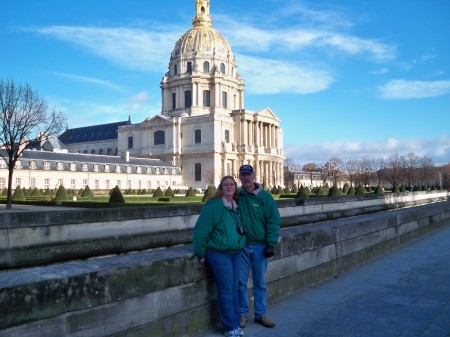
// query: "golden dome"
[[201, 38]]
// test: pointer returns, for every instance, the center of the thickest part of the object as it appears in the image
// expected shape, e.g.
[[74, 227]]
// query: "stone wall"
[[166, 292]]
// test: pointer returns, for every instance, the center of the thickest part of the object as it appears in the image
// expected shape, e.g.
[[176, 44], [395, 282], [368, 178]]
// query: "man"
[[261, 221]]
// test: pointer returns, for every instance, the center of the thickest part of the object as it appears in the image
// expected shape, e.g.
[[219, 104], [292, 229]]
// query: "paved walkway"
[[405, 293]]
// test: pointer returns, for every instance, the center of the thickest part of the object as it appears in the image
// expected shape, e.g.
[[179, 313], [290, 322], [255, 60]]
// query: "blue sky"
[[347, 78]]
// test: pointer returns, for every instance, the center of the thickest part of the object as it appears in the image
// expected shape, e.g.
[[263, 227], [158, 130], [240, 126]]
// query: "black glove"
[[268, 251]]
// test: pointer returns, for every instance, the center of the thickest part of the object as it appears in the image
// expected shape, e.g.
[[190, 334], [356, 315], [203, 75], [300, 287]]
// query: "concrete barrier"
[[166, 292]]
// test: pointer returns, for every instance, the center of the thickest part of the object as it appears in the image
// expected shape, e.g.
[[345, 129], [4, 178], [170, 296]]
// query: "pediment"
[[158, 120], [267, 113]]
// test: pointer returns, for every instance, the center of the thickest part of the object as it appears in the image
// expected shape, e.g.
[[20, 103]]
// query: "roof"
[[92, 133]]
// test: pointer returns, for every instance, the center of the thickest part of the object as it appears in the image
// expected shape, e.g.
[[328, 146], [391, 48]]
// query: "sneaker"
[[240, 332], [264, 321], [232, 333], [243, 322]]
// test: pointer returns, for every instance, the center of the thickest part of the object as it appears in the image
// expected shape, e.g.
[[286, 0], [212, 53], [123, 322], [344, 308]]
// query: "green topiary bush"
[[294, 189], [334, 192], [87, 192], [322, 191], [158, 193], [116, 196], [5, 192], [396, 190], [303, 192], [36, 193], [18, 195], [379, 190], [351, 191], [280, 190], [169, 192], [190, 192], [345, 188], [208, 193], [61, 195], [360, 190]]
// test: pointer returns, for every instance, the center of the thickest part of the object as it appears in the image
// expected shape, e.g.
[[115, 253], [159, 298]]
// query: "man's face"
[[248, 180]]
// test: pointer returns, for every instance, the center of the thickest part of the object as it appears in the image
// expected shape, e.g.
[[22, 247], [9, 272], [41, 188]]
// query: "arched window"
[[189, 68], [159, 137], [222, 68], [175, 69], [206, 67], [206, 98]]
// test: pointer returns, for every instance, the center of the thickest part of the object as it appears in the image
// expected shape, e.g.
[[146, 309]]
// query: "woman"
[[218, 240]]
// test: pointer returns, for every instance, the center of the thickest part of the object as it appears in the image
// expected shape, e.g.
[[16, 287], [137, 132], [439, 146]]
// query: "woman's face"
[[228, 187]]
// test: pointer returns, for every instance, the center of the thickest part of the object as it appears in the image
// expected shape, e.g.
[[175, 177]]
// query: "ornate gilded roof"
[[201, 37]]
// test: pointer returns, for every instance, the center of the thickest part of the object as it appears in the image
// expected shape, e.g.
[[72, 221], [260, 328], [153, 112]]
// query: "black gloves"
[[268, 251]]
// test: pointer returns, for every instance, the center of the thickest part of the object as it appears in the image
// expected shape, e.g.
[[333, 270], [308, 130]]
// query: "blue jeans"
[[226, 269], [252, 257]]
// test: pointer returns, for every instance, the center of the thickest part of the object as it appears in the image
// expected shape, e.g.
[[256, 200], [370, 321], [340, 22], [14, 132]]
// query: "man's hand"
[[268, 251]]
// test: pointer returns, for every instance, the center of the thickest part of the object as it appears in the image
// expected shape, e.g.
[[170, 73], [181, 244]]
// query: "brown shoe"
[[265, 321], [243, 322]]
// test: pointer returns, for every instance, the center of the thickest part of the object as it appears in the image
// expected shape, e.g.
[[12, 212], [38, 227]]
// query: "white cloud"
[[264, 76], [132, 48], [402, 89], [438, 149], [141, 97], [91, 80]]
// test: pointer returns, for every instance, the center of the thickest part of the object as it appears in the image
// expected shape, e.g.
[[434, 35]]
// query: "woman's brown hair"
[[219, 192]]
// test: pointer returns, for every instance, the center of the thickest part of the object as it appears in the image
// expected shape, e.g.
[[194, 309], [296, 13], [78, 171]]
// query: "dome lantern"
[[202, 17]]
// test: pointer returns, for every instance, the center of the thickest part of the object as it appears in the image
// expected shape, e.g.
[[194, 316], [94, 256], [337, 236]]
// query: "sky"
[[348, 78]]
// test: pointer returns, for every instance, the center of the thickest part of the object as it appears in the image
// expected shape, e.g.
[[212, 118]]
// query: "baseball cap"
[[246, 169]]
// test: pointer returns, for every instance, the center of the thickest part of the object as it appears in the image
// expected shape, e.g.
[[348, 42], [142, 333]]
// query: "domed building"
[[203, 127]]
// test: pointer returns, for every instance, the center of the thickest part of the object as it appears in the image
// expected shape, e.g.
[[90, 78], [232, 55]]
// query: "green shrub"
[[379, 190], [360, 190], [190, 193], [87, 192], [169, 192], [208, 193], [143, 191], [158, 193], [345, 188], [416, 188], [334, 192], [322, 191], [274, 190], [351, 191], [294, 189], [80, 192], [61, 195], [303, 192], [402, 188], [279, 190], [18, 195], [116, 196], [48, 192], [5, 192], [396, 190], [36, 193]]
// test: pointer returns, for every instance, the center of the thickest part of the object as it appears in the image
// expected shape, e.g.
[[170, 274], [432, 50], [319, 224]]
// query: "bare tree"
[[379, 165], [365, 171], [289, 167], [25, 120], [351, 169], [394, 165], [310, 168], [335, 166], [426, 169], [411, 165]]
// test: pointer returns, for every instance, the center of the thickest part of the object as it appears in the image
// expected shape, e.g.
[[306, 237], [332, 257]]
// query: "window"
[[187, 99], [100, 151], [32, 182], [189, 68], [128, 169], [2, 163], [2, 183], [60, 166], [174, 101], [138, 169], [206, 67], [18, 164], [46, 165], [224, 99], [159, 137], [18, 181], [95, 167], [92, 151], [106, 168], [108, 152], [222, 68], [60, 182], [32, 165], [227, 136], [85, 183], [97, 184], [206, 98], [130, 142], [73, 166], [117, 168], [175, 69], [73, 184], [129, 184], [149, 170], [108, 184], [197, 136], [119, 184], [197, 171], [149, 185], [46, 183], [84, 167]]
